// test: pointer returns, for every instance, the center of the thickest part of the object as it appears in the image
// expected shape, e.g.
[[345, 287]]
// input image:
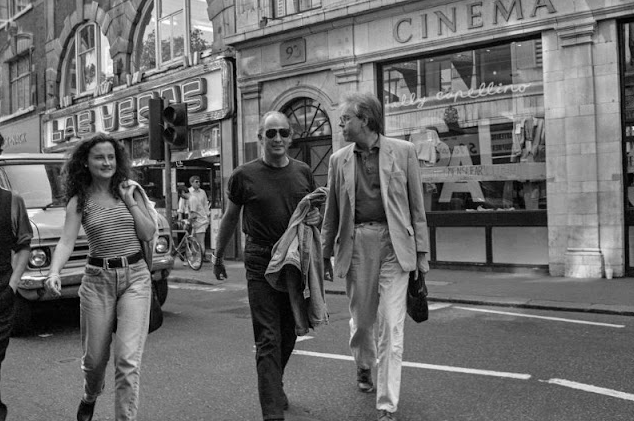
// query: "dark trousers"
[[7, 297], [273, 330]]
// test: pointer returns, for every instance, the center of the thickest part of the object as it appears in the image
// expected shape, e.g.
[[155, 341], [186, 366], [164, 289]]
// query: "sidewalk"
[[527, 290]]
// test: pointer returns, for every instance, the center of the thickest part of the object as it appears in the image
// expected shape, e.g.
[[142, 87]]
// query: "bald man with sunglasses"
[[267, 191]]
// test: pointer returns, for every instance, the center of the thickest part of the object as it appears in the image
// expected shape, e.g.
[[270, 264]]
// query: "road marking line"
[[438, 306], [591, 388], [558, 319], [518, 376], [197, 288], [304, 338]]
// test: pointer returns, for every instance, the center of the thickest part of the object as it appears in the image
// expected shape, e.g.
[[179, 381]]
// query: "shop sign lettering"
[[470, 15], [129, 112], [495, 172], [483, 91], [456, 171], [15, 139]]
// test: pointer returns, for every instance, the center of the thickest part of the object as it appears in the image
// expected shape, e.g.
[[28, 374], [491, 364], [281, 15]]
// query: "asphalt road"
[[466, 363]]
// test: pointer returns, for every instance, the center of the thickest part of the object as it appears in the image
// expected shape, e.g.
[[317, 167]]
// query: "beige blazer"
[[401, 192]]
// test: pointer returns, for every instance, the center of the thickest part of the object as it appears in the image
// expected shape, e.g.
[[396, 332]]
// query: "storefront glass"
[[477, 119], [628, 109], [206, 138]]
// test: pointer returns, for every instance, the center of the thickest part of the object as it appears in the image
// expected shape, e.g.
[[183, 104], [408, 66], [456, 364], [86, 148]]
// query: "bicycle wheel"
[[194, 253]]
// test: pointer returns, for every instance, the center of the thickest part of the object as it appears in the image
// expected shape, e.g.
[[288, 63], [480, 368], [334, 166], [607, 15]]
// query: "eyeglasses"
[[272, 133], [345, 118]]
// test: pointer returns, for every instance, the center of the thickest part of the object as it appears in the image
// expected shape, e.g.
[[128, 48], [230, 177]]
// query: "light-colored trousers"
[[108, 295], [376, 286]]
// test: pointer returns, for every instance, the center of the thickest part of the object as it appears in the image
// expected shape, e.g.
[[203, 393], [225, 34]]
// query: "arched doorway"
[[312, 140]]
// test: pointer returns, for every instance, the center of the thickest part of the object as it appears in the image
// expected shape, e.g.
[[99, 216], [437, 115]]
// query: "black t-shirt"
[[269, 196]]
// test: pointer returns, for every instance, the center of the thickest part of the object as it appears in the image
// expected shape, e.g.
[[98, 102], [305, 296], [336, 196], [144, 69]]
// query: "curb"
[[528, 303]]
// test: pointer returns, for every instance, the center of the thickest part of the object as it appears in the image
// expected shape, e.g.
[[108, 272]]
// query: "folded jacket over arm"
[[300, 248]]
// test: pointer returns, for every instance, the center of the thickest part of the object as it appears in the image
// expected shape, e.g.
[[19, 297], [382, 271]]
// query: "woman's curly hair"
[[76, 175]]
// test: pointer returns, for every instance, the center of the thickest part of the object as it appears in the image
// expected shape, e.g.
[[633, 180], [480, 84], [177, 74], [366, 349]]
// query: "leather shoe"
[[85, 411], [364, 380], [386, 415], [286, 405], [3, 412]]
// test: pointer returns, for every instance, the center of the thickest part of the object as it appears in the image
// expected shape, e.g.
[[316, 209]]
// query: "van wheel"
[[22, 316], [161, 290]]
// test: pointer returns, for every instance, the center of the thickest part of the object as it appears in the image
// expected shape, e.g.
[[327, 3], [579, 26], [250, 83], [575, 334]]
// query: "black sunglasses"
[[271, 133]]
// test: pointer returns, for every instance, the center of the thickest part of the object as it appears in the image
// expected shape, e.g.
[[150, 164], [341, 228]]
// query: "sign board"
[[21, 136], [209, 96]]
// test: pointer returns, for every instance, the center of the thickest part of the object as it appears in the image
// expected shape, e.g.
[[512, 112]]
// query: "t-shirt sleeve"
[[235, 189], [21, 224]]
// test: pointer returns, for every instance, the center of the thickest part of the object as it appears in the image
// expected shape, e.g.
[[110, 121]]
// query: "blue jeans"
[[124, 295], [7, 297], [273, 330]]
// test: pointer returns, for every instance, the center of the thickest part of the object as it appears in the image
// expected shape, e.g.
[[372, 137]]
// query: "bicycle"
[[188, 249]]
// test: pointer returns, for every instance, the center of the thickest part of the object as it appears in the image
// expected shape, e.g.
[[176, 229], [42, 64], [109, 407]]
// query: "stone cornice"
[[250, 91], [347, 73], [576, 34]]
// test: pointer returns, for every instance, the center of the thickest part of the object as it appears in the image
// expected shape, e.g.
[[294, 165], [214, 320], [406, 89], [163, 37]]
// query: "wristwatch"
[[216, 261]]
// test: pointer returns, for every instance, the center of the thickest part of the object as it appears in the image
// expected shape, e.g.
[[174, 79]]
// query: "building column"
[[572, 154]]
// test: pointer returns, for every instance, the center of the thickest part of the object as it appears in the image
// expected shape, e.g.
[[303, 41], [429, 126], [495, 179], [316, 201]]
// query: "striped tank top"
[[110, 231]]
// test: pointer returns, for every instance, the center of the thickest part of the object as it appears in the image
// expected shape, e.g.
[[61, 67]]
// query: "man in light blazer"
[[375, 226]]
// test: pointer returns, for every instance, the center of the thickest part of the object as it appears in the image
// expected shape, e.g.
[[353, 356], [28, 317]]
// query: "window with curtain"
[[291, 7], [170, 30], [20, 81], [88, 63], [9, 8]]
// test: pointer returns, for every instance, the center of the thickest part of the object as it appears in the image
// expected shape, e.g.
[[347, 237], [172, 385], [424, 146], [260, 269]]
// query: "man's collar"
[[375, 145]]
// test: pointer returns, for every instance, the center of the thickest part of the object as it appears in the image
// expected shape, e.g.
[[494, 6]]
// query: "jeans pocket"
[[256, 258], [91, 270]]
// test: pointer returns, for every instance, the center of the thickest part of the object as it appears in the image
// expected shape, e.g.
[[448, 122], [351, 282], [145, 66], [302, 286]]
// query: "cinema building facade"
[[522, 112]]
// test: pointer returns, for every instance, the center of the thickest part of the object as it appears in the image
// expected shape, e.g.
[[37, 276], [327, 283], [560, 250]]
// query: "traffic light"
[[155, 129], [175, 125]]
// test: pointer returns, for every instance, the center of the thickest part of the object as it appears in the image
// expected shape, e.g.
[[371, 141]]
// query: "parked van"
[[36, 177]]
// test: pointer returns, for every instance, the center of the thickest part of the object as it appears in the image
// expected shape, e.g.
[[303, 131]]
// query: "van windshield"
[[40, 185]]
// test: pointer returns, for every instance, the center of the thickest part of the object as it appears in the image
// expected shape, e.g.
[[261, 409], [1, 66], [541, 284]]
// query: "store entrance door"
[[312, 136]]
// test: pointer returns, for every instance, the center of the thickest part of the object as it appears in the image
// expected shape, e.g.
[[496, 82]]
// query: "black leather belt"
[[261, 243], [115, 262], [370, 223]]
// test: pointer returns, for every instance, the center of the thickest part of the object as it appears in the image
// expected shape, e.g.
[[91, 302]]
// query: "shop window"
[[20, 82], [205, 138], [88, 63], [312, 136], [171, 22], [290, 7], [140, 149], [477, 119]]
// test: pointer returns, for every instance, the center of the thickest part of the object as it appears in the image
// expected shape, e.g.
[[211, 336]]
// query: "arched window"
[[87, 63], [312, 139], [171, 22]]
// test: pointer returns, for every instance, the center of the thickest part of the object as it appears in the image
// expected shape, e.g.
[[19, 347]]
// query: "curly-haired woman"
[[116, 286]]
